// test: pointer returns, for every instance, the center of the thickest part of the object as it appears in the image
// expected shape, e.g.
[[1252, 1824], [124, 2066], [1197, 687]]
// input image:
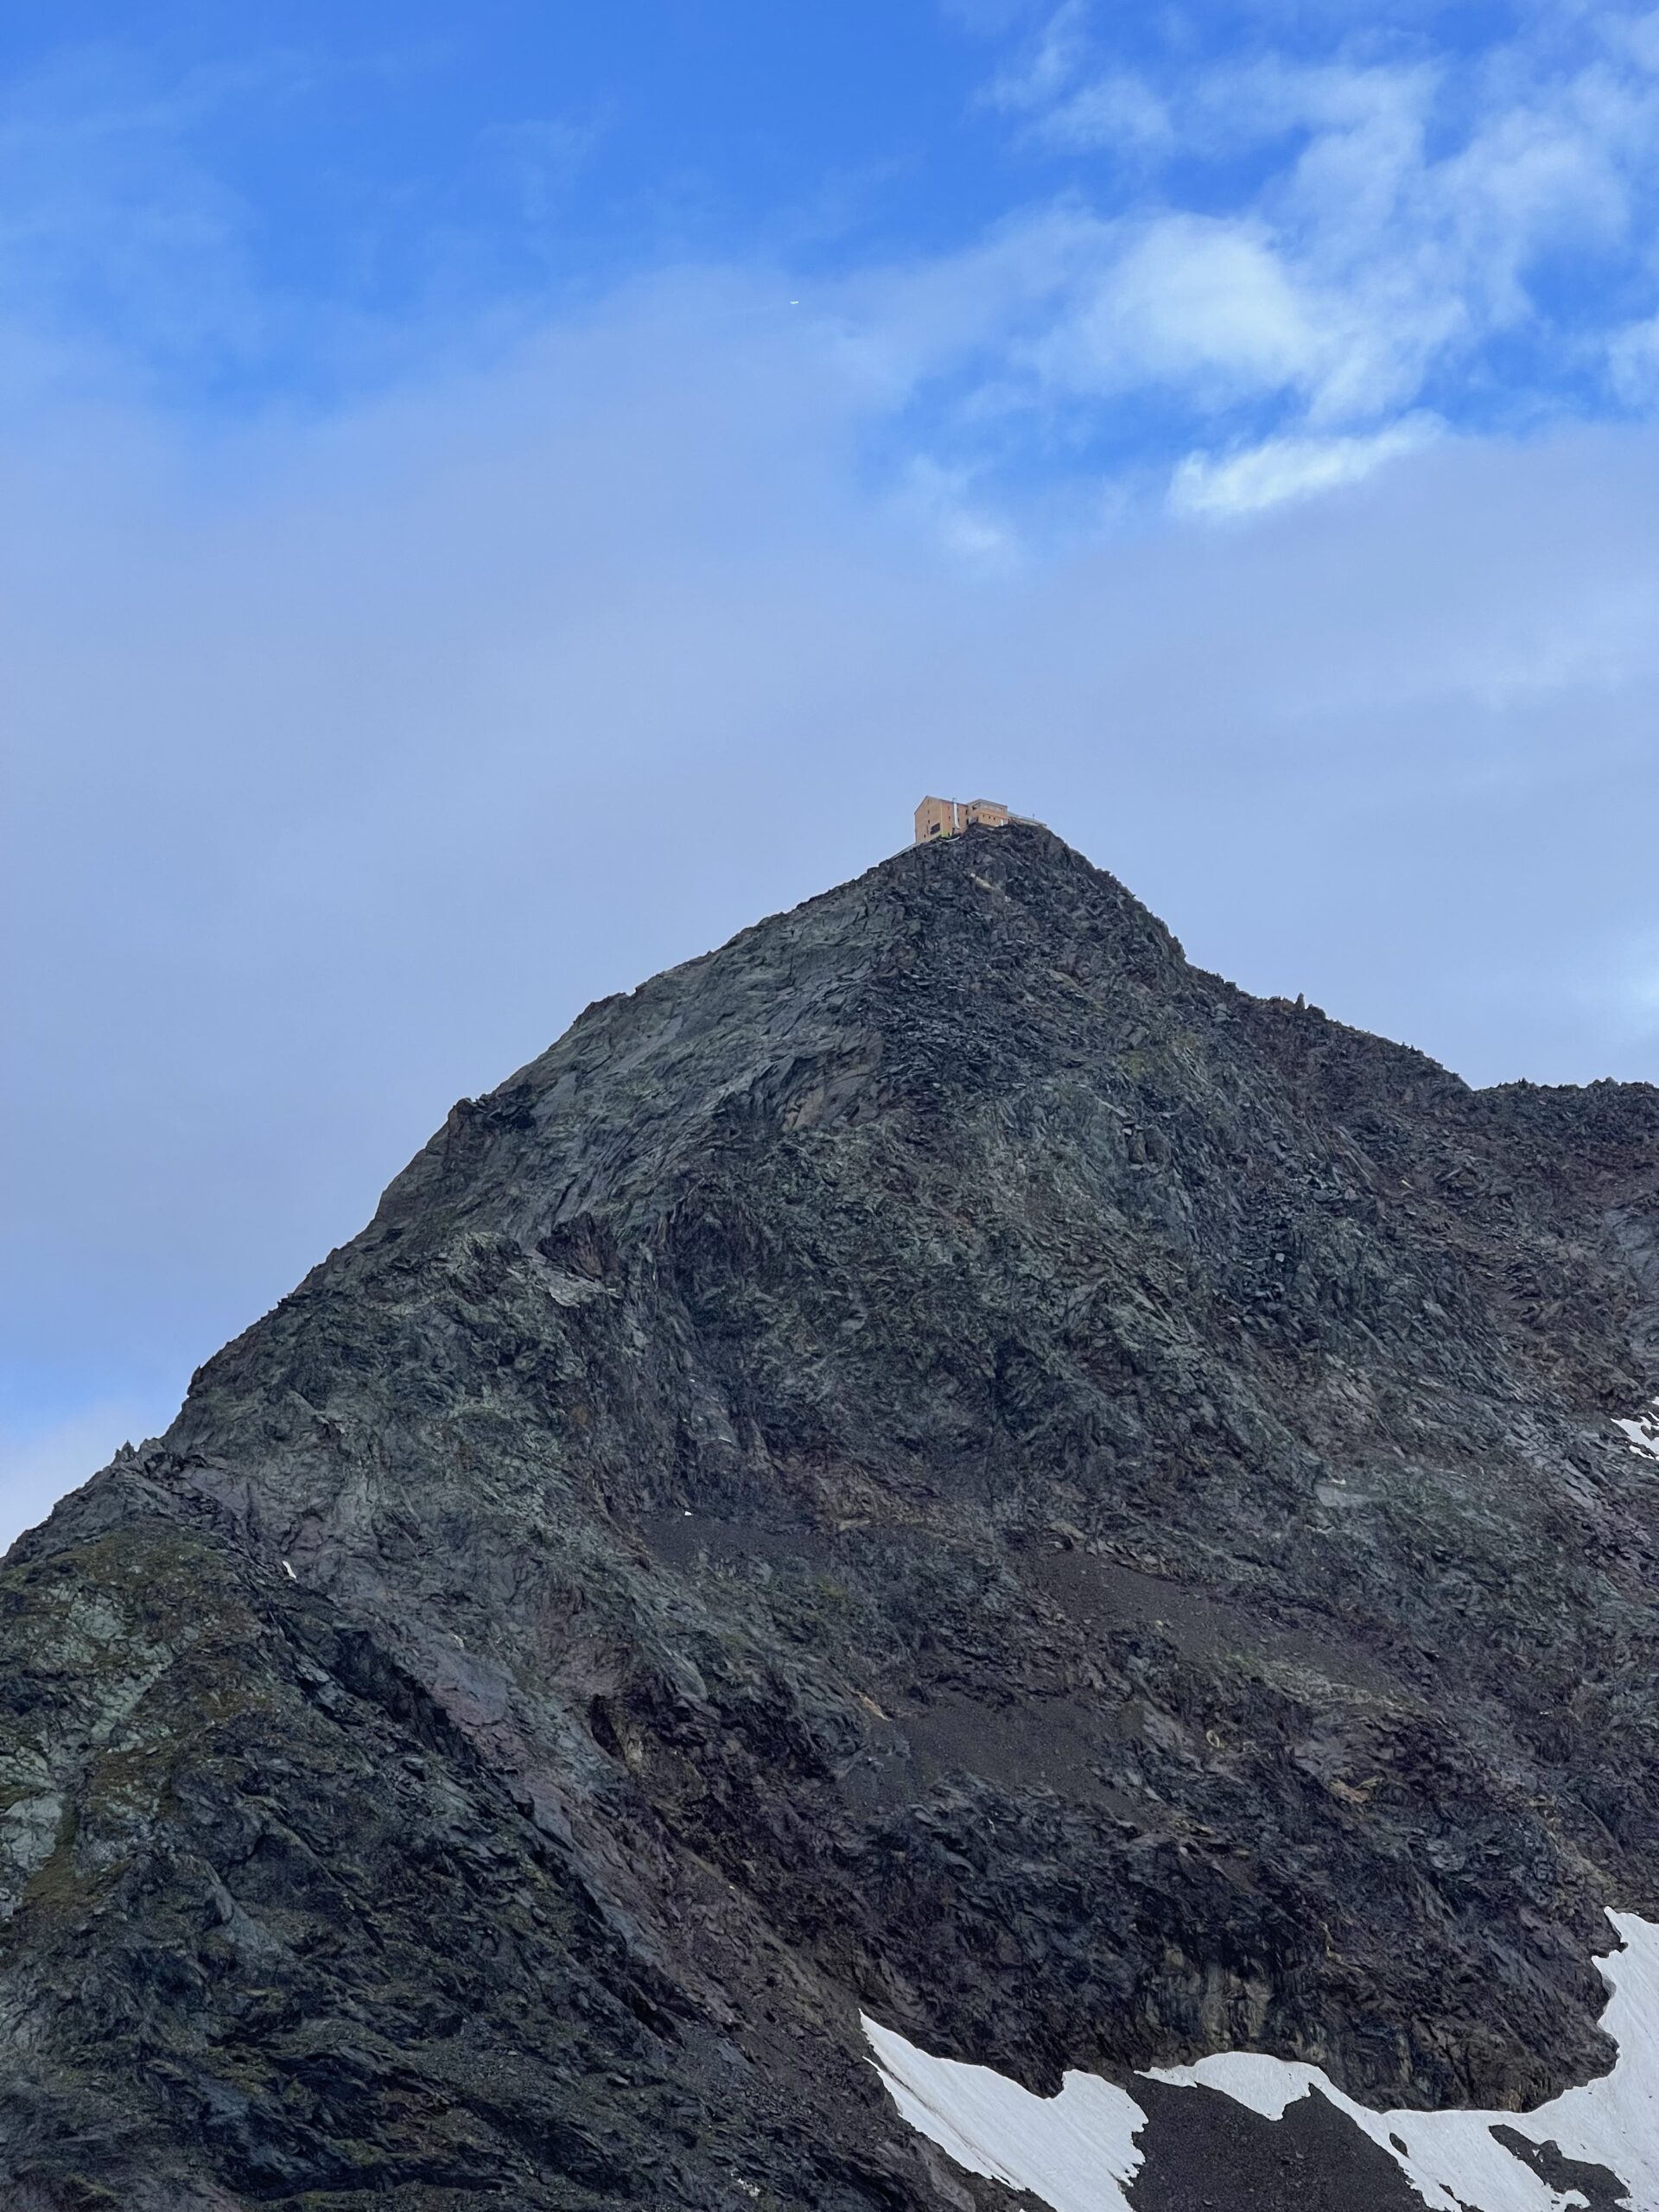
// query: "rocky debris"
[[1202, 2149], [936, 1458]]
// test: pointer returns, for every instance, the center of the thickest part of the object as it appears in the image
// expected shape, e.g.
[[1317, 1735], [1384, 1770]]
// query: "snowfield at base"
[[1076, 2151], [1070, 2150]]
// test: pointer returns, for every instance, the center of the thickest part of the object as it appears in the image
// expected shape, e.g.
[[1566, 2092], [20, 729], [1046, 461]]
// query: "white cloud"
[[1061, 308], [1118, 111], [109, 218], [1633, 360], [1050, 62], [1064, 310], [1639, 35], [1400, 219], [1283, 469], [1188, 302], [943, 499]]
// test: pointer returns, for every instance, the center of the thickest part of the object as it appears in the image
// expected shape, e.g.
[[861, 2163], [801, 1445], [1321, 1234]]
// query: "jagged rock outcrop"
[[936, 1458]]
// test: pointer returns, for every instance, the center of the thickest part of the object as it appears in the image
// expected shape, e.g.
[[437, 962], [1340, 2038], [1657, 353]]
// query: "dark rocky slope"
[[937, 1457]]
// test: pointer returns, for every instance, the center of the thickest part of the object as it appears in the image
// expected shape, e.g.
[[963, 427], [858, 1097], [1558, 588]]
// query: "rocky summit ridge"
[[936, 1460]]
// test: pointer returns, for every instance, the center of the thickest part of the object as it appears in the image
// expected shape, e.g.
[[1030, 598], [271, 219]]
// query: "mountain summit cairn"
[[936, 1461]]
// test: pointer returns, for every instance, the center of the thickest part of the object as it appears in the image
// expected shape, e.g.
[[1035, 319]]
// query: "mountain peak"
[[935, 1459]]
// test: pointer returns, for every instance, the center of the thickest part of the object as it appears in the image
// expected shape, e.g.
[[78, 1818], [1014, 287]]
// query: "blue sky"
[[491, 500], [1084, 253]]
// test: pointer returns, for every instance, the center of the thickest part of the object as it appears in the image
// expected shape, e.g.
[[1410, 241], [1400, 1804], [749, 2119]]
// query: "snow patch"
[[1643, 1431], [1071, 2151], [1076, 2150]]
